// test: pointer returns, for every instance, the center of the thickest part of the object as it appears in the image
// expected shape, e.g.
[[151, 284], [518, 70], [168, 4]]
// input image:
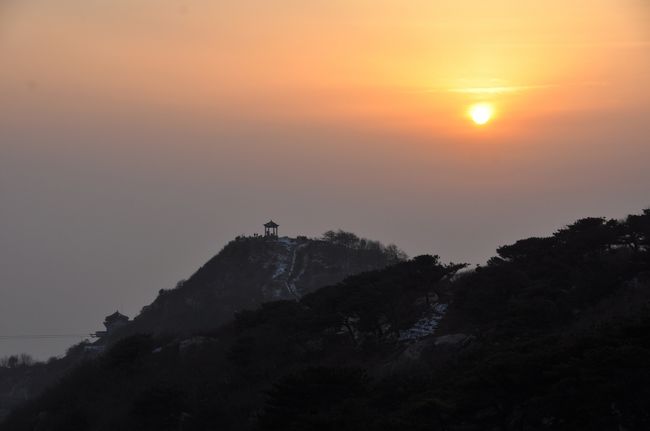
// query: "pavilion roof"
[[116, 316]]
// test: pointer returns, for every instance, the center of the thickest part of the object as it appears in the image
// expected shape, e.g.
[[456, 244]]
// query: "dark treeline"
[[351, 240], [16, 361], [552, 333]]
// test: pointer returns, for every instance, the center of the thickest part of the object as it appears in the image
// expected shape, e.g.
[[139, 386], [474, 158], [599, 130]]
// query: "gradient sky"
[[138, 137]]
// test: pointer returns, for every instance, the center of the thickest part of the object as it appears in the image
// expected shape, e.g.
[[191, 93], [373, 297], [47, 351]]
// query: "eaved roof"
[[271, 223], [116, 316]]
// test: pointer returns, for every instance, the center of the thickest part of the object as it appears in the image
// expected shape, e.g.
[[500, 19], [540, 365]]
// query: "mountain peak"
[[251, 270]]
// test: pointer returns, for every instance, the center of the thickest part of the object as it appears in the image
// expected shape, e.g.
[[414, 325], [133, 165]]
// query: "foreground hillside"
[[553, 333]]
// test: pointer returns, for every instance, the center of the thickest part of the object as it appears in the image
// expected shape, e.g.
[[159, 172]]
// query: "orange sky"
[[414, 65], [148, 133]]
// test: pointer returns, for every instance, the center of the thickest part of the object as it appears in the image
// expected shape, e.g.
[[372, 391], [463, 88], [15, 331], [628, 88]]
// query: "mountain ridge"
[[247, 272], [251, 270], [522, 342]]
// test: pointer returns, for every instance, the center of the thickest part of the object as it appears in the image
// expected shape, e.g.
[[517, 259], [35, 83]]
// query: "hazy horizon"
[[137, 139]]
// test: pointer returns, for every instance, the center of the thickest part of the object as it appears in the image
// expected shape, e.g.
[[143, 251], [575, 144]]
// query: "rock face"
[[250, 271]]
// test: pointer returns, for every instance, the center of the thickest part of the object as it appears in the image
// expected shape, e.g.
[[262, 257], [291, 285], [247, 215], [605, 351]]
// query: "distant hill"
[[252, 270], [551, 334], [246, 273]]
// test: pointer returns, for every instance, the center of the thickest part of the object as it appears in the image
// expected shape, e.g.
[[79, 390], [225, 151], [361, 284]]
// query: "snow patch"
[[285, 265], [290, 283], [426, 326], [282, 264], [281, 267], [193, 341], [453, 339]]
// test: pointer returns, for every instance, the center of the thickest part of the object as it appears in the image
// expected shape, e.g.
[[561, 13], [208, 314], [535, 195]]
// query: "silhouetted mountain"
[[553, 333], [252, 270], [246, 273]]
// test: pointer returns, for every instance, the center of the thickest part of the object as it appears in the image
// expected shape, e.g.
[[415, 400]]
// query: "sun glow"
[[481, 113]]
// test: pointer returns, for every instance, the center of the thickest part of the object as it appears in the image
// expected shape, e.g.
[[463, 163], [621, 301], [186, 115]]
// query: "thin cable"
[[41, 336]]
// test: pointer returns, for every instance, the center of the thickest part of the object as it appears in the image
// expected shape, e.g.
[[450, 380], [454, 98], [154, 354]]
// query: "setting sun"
[[387, 195], [481, 113]]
